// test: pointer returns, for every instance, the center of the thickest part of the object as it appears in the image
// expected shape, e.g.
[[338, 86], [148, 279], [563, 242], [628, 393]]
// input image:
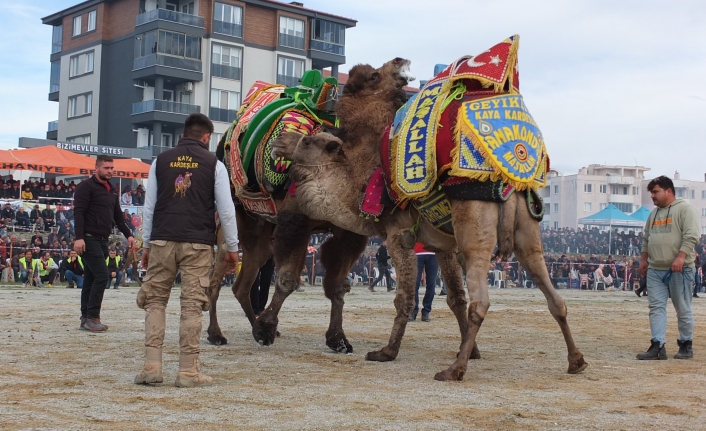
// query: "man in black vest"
[[187, 184], [96, 210]]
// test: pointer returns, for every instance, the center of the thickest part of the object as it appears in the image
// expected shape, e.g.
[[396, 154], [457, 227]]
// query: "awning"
[[52, 160]]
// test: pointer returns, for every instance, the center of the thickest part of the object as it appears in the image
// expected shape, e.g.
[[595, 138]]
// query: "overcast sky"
[[608, 82]]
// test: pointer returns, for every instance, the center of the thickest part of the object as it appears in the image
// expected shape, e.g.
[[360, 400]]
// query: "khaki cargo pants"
[[166, 258]]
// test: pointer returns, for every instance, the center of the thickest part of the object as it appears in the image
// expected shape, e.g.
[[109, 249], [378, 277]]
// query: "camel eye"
[[375, 77]]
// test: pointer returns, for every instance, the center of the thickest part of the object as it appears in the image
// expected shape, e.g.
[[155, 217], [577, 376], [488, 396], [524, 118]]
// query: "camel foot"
[[380, 356], [338, 343], [577, 366], [265, 331], [450, 374], [217, 339]]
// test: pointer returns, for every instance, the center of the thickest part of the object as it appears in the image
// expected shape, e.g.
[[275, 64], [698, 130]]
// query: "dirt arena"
[[57, 377]]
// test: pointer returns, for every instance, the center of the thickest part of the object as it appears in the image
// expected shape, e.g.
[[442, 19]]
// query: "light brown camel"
[[329, 187], [380, 90]]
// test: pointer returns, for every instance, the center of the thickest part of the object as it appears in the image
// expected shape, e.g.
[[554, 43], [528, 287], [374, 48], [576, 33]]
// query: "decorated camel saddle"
[[466, 135], [268, 110]]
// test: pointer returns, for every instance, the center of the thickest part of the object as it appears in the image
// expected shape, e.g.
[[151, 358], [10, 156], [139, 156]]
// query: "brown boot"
[[152, 372], [189, 375], [95, 325]]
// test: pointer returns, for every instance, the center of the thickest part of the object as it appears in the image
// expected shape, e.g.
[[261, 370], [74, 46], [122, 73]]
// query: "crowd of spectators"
[[591, 241], [134, 197]]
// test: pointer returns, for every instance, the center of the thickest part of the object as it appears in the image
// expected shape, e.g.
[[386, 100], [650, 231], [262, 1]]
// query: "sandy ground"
[[57, 377]]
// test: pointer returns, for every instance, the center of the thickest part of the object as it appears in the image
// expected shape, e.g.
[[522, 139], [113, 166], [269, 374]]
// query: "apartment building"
[[571, 197], [126, 73]]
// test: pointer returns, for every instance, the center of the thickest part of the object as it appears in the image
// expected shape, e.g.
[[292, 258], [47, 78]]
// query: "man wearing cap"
[[8, 214], [35, 214], [48, 216], [96, 210]]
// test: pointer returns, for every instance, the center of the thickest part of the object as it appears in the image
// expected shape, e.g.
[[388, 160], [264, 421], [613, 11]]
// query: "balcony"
[[52, 130], [178, 69], [164, 111], [228, 28], [222, 115], [164, 106], [328, 47], [620, 180], [291, 41], [223, 71], [624, 199], [289, 81], [169, 15]]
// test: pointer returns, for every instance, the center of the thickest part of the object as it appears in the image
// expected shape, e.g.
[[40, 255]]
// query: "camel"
[[324, 174], [382, 94], [182, 184], [475, 200]]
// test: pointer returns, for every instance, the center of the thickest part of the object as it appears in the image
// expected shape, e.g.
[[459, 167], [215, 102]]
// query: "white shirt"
[[224, 206]]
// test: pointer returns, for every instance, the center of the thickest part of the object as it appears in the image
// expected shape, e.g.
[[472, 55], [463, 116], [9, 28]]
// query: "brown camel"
[[380, 91], [329, 187]]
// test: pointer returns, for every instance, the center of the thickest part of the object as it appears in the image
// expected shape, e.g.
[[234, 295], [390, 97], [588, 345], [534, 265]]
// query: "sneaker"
[[685, 350], [425, 317], [655, 352]]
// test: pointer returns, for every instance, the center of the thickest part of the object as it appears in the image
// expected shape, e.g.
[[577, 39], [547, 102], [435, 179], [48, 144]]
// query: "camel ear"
[[357, 77], [289, 139], [333, 146]]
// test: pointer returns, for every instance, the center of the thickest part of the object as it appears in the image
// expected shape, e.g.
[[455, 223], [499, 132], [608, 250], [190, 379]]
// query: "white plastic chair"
[[499, 282]]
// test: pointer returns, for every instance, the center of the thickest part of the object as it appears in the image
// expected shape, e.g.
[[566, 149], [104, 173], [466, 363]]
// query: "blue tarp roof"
[[641, 214], [611, 215]]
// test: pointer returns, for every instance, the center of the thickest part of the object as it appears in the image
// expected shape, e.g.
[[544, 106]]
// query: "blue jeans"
[[428, 264], [71, 278], [679, 288], [24, 276], [118, 277]]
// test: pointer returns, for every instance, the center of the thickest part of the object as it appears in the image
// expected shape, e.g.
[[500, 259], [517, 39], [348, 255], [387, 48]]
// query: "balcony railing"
[[169, 15], [55, 47], [223, 71], [167, 60], [333, 48], [222, 115], [52, 126], [289, 81], [164, 106], [53, 88], [291, 41], [228, 28]]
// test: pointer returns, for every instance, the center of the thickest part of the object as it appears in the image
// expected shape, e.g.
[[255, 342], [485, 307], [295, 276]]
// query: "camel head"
[[307, 152], [364, 80]]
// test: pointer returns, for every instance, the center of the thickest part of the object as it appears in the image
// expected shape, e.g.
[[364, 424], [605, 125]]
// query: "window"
[[225, 62], [80, 105], [626, 208], [188, 8], [680, 193], [55, 76], [215, 139], [587, 206], [703, 194], [329, 37], [603, 188], [166, 140], [556, 225], [77, 26], [179, 44], [703, 230], [692, 193], [291, 32], [81, 64], [635, 190], [556, 190], [603, 206], [625, 190], [549, 210], [91, 21], [703, 212], [224, 105], [588, 188], [289, 71], [57, 35], [82, 139], [228, 19], [614, 190], [556, 208]]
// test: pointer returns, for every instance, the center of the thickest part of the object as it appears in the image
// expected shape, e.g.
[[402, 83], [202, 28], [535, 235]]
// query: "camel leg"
[[455, 293], [475, 228], [291, 238], [214, 289], [406, 265], [338, 254], [528, 248]]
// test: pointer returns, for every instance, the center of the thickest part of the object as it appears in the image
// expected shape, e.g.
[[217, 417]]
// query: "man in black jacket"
[[383, 267], [96, 211]]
